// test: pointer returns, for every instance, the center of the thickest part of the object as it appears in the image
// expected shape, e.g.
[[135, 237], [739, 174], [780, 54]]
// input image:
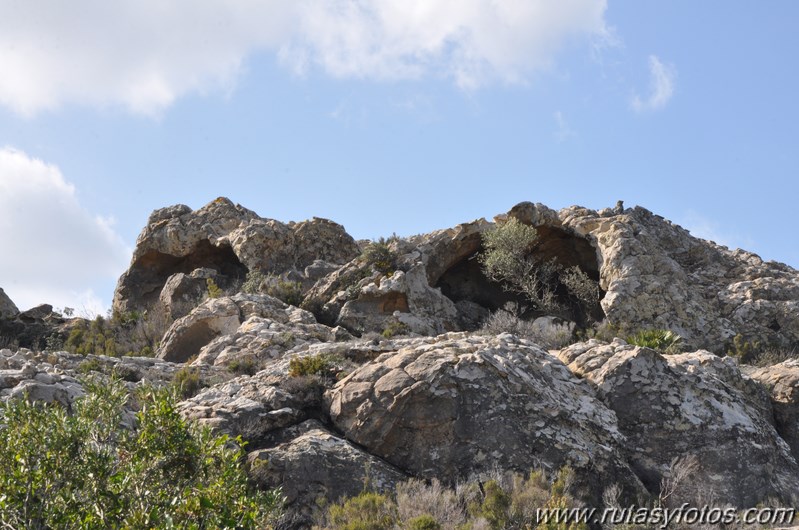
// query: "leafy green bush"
[[508, 258], [394, 328], [325, 365], [85, 470], [214, 291], [90, 365], [285, 290], [662, 340], [423, 522], [187, 381], [130, 333], [379, 255], [244, 366], [367, 511]]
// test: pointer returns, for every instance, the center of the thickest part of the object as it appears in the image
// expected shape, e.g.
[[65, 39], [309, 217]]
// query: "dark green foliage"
[[324, 365], [394, 328], [509, 258], [86, 471], [129, 334], [187, 381], [90, 365], [367, 511], [244, 366], [379, 255], [287, 291], [423, 522], [662, 340]]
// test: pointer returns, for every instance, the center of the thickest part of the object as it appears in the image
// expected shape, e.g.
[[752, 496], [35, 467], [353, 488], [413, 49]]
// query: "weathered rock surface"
[[7, 307], [456, 405], [782, 382], [228, 238], [183, 292], [692, 404], [316, 463], [244, 326]]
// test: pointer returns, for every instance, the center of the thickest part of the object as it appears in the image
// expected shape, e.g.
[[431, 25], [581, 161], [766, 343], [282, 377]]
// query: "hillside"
[[343, 363]]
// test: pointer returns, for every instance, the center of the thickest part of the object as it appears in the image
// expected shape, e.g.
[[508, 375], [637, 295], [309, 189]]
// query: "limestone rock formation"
[[693, 405], [7, 307], [315, 463], [227, 238], [782, 382], [245, 326], [457, 405]]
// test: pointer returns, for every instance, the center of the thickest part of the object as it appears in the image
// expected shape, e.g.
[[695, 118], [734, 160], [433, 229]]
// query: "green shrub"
[[380, 257], [287, 291], [90, 365], [214, 291], [187, 381], [665, 341], [244, 366], [324, 365], [367, 511], [423, 522], [394, 328], [85, 470]]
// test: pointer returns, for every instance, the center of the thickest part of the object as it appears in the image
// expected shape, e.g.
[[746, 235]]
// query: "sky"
[[387, 116]]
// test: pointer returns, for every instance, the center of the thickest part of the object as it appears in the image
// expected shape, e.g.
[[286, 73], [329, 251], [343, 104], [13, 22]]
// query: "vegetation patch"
[[662, 340], [86, 470]]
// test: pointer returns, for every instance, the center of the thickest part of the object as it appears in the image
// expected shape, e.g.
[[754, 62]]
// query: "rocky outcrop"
[[252, 327], [7, 307], [459, 405], [227, 238], [694, 406], [656, 275], [316, 464], [782, 383]]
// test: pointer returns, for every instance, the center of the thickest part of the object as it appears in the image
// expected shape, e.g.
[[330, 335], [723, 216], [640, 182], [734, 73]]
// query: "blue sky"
[[386, 116]]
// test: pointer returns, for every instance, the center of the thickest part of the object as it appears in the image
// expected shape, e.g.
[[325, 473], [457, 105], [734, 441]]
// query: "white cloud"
[[564, 131], [54, 251], [661, 80], [144, 54]]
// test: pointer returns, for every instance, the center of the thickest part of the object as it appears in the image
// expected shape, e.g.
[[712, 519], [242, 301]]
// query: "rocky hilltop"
[[381, 366]]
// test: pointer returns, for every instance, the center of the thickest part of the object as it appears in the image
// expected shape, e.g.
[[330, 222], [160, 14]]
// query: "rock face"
[[227, 238], [454, 406], [782, 381], [7, 307], [316, 464], [245, 326], [691, 405]]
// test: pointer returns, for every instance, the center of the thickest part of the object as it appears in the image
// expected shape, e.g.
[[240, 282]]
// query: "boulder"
[[695, 407], [227, 238], [183, 292], [782, 382], [7, 307], [457, 405], [315, 464]]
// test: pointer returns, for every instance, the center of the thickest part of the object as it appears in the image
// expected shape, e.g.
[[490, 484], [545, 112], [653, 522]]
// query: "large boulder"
[[782, 382], [315, 464], [7, 307], [694, 407], [457, 405], [227, 238]]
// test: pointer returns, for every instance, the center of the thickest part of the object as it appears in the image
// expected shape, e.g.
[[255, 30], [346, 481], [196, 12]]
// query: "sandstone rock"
[[694, 404], [451, 406], [782, 382], [227, 238], [316, 464], [7, 307]]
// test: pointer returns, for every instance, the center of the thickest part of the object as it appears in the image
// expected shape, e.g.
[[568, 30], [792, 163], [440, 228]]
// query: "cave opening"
[[465, 280], [154, 268]]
